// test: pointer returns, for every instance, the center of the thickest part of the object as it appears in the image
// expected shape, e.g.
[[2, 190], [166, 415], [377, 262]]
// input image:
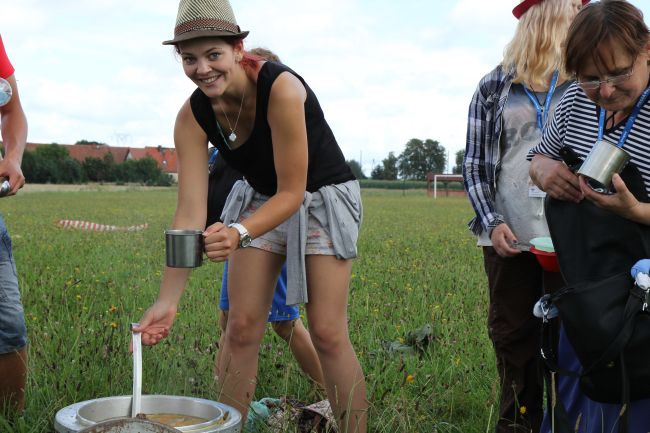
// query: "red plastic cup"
[[547, 260]]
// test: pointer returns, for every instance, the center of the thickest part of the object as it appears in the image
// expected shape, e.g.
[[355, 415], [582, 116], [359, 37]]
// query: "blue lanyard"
[[213, 157], [630, 120], [547, 104]]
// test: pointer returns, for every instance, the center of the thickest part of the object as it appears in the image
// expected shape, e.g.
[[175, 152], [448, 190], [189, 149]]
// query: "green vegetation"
[[408, 184], [418, 265], [52, 163]]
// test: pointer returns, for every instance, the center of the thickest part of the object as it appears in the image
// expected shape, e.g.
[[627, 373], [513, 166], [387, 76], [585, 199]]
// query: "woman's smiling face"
[[209, 63]]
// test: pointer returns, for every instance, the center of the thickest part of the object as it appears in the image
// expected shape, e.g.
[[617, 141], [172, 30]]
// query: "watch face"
[[245, 241]]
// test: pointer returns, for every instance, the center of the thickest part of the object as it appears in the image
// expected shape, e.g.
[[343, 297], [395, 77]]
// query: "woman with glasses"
[[608, 50], [506, 117]]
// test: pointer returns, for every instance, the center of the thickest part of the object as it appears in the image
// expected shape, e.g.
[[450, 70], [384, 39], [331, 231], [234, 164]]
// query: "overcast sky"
[[384, 71]]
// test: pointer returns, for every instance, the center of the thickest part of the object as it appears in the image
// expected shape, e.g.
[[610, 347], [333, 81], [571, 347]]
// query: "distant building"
[[164, 156], [166, 159]]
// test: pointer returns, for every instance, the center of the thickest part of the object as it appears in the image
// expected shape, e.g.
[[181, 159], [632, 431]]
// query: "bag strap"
[[548, 354], [623, 421]]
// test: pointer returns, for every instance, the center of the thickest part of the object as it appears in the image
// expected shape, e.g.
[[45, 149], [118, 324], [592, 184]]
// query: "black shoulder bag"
[[604, 314]]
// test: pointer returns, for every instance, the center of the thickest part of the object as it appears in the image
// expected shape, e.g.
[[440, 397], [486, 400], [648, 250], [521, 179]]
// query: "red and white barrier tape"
[[95, 227]]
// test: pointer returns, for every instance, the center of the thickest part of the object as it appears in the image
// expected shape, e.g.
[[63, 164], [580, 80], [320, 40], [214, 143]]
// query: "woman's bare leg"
[[328, 282], [223, 323], [13, 376], [252, 275], [299, 341]]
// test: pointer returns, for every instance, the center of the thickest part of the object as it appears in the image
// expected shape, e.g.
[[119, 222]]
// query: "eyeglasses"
[[613, 80]]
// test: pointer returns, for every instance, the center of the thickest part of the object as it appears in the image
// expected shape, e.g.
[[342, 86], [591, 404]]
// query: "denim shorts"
[[280, 311], [13, 335]]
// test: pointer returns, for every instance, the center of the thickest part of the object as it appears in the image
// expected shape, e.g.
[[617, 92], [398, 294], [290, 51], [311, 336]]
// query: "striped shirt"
[[575, 124]]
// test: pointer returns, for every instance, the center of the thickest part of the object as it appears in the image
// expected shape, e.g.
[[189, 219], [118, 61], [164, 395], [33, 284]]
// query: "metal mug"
[[184, 248], [5, 92], [603, 161], [5, 186]]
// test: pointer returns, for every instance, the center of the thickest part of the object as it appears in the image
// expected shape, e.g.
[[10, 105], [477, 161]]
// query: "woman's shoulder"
[[199, 105], [495, 78], [492, 84], [270, 68], [278, 81], [574, 99], [198, 98]]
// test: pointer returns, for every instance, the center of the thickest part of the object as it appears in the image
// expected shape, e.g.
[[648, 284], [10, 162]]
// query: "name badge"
[[535, 192]]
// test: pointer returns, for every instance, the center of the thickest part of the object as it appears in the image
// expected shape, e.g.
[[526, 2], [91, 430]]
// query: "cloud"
[[384, 71]]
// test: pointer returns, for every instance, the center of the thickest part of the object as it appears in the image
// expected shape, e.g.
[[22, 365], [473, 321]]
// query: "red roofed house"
[[82, 151], [166, 159], [164, 156]]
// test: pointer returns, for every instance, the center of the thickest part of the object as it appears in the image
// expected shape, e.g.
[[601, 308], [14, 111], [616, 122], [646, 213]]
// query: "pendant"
[[232, 136]]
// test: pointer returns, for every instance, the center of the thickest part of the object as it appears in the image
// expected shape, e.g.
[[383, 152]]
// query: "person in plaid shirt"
[[506, 116]]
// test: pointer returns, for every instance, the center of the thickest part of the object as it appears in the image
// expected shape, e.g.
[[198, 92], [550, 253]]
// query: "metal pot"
[[78, 416], [603, 161], [129, 425], [184, 248]]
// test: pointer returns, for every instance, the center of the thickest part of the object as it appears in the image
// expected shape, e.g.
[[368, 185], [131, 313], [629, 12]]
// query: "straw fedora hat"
[[204, 18]]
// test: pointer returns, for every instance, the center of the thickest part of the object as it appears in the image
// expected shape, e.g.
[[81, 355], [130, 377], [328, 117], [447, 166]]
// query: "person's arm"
[[14, 138], [286, 117], [479, 190], [191, 147], [555, 178]]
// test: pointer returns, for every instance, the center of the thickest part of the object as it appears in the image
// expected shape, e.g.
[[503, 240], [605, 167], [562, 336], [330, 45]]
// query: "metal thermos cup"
[[603, 161], [184, 248], [4, 187]]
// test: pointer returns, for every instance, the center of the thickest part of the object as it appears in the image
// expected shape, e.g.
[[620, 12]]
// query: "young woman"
[[608, 50], [506, 117], [300, 203], [284, 319], [13, 334]]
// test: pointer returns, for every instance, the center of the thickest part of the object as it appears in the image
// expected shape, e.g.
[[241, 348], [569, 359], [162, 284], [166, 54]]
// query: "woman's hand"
[[622, 202], [156, 322], [555, 178], [220, 241], [502, 239]]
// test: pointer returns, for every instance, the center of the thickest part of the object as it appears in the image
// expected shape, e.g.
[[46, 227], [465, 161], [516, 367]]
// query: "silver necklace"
[[232, 137]]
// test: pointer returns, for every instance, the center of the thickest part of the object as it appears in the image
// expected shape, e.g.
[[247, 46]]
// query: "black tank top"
[[254, 158]]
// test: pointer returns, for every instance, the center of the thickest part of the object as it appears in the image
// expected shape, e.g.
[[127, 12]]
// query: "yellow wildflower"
[[410, 378], [522, 410]]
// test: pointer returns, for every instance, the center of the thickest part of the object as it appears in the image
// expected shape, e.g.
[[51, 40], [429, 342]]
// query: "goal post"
[[444, 178]]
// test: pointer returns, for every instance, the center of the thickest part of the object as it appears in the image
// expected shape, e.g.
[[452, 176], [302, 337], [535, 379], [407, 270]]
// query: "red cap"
[[522, 7]]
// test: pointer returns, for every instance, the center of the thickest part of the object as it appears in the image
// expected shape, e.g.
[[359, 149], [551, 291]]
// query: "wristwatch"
[[245, 239]]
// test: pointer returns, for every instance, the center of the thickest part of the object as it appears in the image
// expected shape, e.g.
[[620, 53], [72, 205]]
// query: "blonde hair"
[[535, 50]]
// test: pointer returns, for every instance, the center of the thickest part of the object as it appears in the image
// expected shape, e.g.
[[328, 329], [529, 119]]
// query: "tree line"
[[419, 158], [51, 163]]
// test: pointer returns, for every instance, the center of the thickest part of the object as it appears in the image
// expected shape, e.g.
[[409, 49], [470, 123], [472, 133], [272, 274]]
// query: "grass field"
[[418, 265]]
